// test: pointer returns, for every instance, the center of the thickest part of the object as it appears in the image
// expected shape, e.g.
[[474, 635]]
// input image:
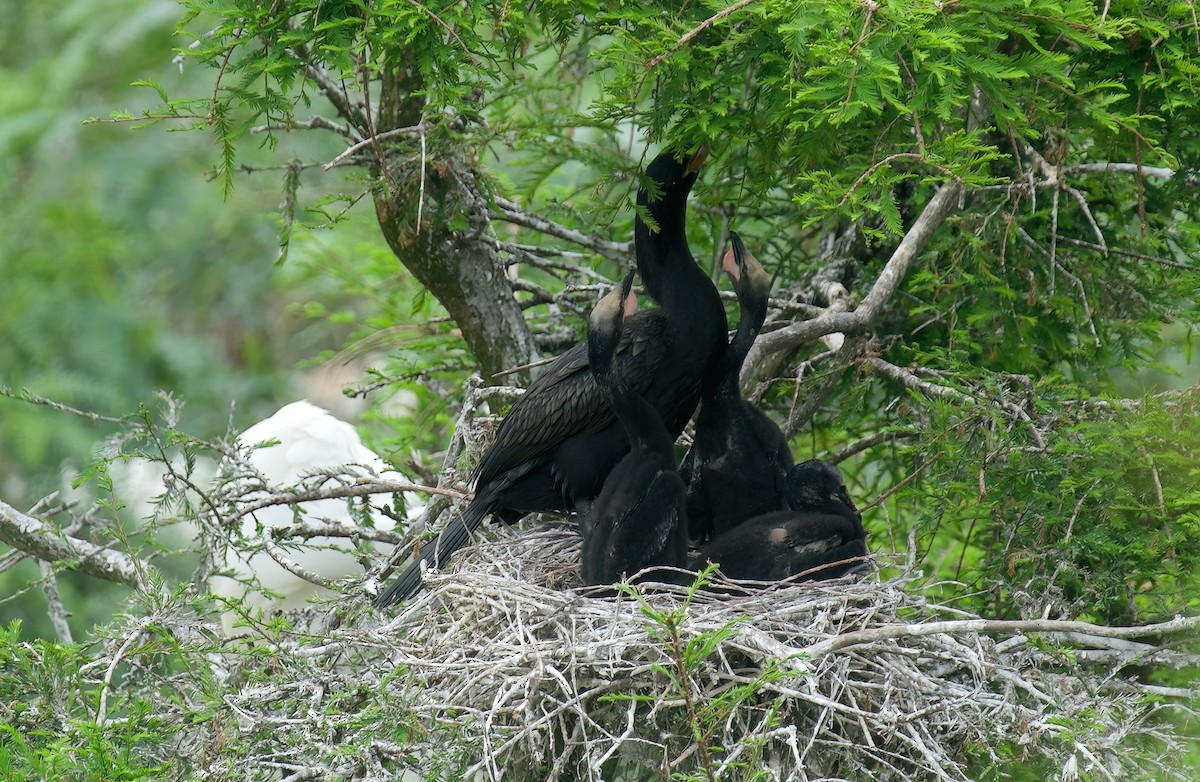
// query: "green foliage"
[[50, 728], [705, 715], [1101, 524]]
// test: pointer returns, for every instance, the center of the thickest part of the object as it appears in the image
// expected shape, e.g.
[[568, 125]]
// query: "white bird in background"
[[302, 439]]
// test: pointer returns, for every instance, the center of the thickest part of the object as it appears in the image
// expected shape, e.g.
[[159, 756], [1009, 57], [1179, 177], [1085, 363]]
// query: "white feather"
[[302, 438]]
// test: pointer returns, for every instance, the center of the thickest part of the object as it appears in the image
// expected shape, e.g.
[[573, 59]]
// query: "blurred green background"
[[125, 271]]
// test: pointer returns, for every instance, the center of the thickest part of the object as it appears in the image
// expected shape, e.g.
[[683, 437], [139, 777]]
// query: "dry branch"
[[885, 286], [45, 542], [254, 498], [514, 213]]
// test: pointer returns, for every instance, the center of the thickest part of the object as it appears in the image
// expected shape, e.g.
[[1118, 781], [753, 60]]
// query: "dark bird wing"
[[782, 544], [638, 525], [565, 401]]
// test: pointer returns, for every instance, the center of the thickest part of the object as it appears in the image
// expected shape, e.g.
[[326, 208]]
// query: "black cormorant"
[[638, 520], [820, 532], [739, 460], [559, 441]]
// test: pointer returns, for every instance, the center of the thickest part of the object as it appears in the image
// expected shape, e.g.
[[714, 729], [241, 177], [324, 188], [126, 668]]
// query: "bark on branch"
[[511, 212], [44, 542], [435, 217], [886, 284], [361, 488], [1179, 624]]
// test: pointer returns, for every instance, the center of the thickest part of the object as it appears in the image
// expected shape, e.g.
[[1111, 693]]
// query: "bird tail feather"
[[436, 552]]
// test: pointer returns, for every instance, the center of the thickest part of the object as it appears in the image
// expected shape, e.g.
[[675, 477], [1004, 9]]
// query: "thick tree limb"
[[885, 286], [457, 263], [41, 540], [911, 246], [437, 221]]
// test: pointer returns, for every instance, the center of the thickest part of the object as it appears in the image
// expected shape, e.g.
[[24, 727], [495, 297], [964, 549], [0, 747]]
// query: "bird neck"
[[673, 279], [661, 256], [724, 379], [643, 425]]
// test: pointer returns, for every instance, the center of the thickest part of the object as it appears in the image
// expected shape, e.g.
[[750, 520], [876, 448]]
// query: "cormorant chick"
[[560, 440], [821, 531], [739, 460], [638, 520]]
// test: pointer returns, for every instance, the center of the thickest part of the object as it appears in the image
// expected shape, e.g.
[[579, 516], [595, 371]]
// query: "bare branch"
[[1087, 213], [910, 380], [133, 635], [26, 395], [512, 212], [933, 390], [43, 541], [333, 92], [1128, 254], [1119, 168], [816, 394], [315, 122], [885, 286], [858, 446], [289, 564], [366, 142], [1175, 626], [690, 34], [1078, 283], [58, 612], [911, 246], [362, 487]]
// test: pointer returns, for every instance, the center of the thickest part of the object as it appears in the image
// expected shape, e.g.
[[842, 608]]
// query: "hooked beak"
[[735, 259]]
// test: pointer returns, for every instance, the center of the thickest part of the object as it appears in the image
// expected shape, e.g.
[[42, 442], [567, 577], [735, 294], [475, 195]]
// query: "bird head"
[[752, 284], [816, 485], [743, 268], [605, 322], [673, 178]]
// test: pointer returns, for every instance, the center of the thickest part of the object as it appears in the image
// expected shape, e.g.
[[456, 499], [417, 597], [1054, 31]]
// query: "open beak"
[[735, 259], [693, 166]]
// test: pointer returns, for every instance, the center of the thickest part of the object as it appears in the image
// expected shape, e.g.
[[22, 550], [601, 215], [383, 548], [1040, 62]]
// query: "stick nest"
[[509, 656]]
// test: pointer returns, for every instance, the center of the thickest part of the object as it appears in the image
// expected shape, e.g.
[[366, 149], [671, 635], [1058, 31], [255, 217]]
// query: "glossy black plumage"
[[560, 440], [739, 460], [819, 533], [638, 520]]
